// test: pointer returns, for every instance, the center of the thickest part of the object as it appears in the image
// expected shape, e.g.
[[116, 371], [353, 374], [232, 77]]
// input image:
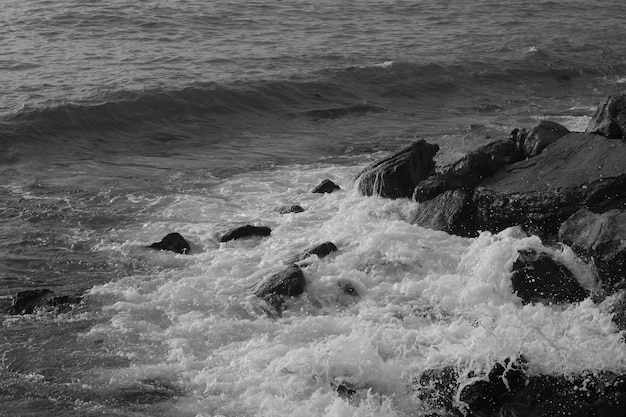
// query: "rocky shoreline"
[[568, 188]]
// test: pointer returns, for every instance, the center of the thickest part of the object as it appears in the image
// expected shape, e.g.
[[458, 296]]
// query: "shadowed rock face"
[[601, 237], [533, 142], [537, 278], [579, 170], [610, 118], [451, 212], [326, 187], [320, 250], [398, 175], [29, 301], [290, 282]]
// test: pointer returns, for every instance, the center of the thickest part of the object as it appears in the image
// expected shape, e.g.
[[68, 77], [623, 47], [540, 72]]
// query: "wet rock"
[[345, 389], [601, 237], [533, 142], [326, 187], [537, 278], [618, 310], [320, 250], [397, 175], [611, 405], [245, 231], [451, 212], [289, 282], [579, 170], [275, 305], [503, 381], [289, 209], [610, 118], [479, 164], [437, 387], [429, 188], [29, 301], [173, 242]]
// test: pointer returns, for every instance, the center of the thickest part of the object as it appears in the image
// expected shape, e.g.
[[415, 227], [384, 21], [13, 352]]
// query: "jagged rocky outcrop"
[[245, 231], [326, 187], [173, 242], [30, 301], [538, 278], [397, 175], [580, 170], [609, 119], [602, 238], [509, 389]]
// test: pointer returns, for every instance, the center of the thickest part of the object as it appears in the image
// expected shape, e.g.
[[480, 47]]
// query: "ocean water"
[[123, 121]]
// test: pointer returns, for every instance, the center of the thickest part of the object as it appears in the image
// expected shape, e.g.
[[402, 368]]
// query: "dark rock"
[[451, 212], [429, 188], [517, 410], [397, 175], [533, 142], [245, 231], [610, 118], [173, 242], [537, 278], [275, 303], [29, 301], [579, 170], [320, 250], [437, 387], [618, 309], [611, 405], [503, 381], [479, 164], [289, 282], [290, 209], [564, 406], [601, 237], [326, 187]]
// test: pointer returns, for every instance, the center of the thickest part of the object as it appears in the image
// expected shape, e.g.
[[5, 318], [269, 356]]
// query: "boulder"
[[601, 237], [29, 301], [290, 282], [397, 175], [326, 187], [609, 119], [289, 209], [475, 166], [537, 278], [437, 387], [533, 142], [451, 212], [245, 231], [579, 170], [320, 250], [173, 242]]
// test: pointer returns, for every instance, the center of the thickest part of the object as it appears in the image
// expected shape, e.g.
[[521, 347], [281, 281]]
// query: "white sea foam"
[[426, 299]]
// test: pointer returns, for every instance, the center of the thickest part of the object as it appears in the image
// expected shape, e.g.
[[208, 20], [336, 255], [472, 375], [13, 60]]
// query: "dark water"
[[121, 122]]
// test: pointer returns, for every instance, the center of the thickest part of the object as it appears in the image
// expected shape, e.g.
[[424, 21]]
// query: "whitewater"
[[125, 121]]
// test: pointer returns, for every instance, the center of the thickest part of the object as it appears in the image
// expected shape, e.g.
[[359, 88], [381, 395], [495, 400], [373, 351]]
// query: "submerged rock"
[[451, 212], [289, 209], [326, 187], [397, 175], [609, 119], [579, 170], [245, 231], [537, 278], [29, 301], [601, 237], [289, 282], [173, 242]]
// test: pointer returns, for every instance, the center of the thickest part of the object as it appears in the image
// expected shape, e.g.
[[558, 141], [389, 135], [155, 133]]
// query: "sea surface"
[[123, 121]]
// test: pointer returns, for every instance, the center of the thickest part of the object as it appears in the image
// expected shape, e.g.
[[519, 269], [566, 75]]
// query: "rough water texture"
[[123, 122]]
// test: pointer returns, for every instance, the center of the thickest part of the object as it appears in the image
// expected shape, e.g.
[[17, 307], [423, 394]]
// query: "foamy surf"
[[422, 300]]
